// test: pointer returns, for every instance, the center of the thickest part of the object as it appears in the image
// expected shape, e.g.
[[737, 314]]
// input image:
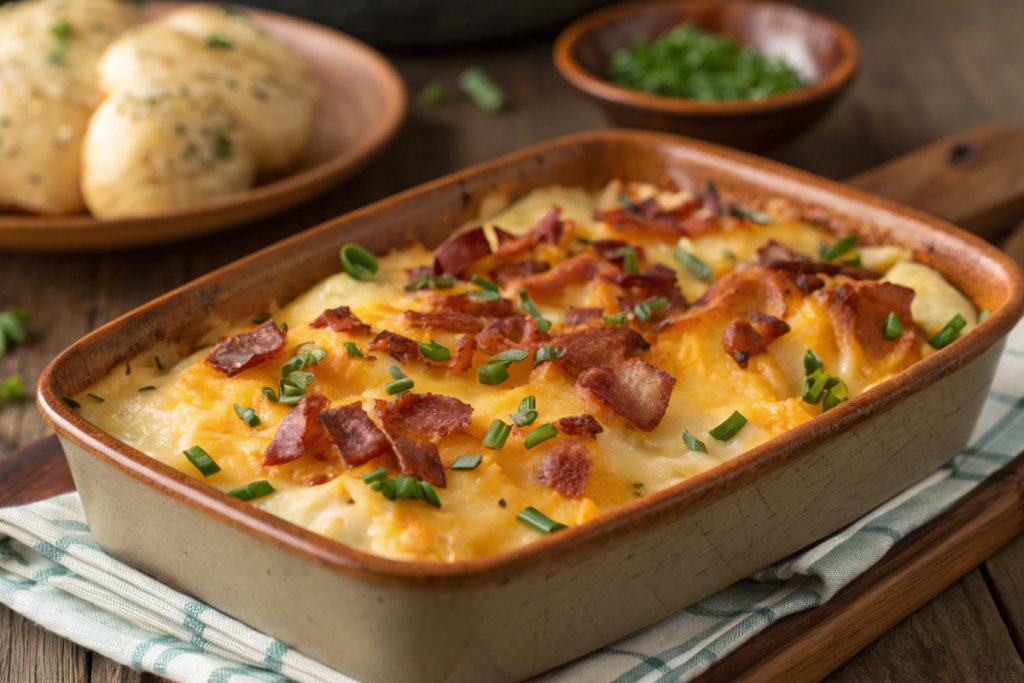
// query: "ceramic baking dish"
[[508, 616]]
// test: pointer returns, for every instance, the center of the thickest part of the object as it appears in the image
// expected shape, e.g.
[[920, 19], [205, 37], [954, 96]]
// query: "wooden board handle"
[[973, 179]]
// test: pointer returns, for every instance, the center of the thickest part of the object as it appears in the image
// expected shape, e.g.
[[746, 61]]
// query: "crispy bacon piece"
[[447, 321], [797, 268], [773, 251], [289, 442], [598, 346], [566, 468], [460, 303], [459, 252], [354, 434], [655, 280], [758, 288], [403, 349], [508, 273], [808, 283], [248, 349], [548, 229], [576, 270], [612, 250], [412, 423], [579, 317], [858, 311], [747, 337], [634, 389], [518, 332], [464, 350], [340, 319], [580, 425], [628, 221]]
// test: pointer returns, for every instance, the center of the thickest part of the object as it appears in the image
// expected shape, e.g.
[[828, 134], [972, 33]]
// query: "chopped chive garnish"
[[693, 443], [812, 363], [261, 318], [127, 368], [218, 42], [698, 268], [352, 349], [399, 386], [312, 353], [376, 475], [431, 282], [247, 415], [95, 398], [252, 491], [893, 328], [727, 253], [535, 519], [528, 403], [467, 462], [855, 261], [831, 253], [406, 488], [497, 435], [435, 351], [630, 261], [546, 353], [510, 356], [949, 333], [834, 395], [982, 316], [358, 263], [485, 295], [751, 215], [269, 394], [484, 92], [71, 402], [728, 429], [284, 327], [531, 308], [429, 494], [149, 388], [202, 461], [523, 418], [431, 94], [643, 309], [814, 385], [540, 434], [618, 320], [158, 365], [492, 374], [396, 372], [484, 283]]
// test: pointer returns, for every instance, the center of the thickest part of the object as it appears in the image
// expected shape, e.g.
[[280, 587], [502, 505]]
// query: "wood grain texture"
[[31, 654], [1004, 573]]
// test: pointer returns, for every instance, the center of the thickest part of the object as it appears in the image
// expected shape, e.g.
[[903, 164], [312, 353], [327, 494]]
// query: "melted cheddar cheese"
[[192, 402]]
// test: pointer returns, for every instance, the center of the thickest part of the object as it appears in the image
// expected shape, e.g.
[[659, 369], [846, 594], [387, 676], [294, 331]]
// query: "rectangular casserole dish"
[[509, 616]]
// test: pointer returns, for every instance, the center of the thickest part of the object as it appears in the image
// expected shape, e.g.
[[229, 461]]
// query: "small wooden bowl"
[[823, 53]]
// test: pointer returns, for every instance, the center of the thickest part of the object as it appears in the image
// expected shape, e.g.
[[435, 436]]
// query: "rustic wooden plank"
[[956, 637], [108, 671], [31, 654], [1004, 573]]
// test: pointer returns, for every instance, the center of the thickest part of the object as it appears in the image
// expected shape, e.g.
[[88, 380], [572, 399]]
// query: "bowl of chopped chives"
[[750, 75]]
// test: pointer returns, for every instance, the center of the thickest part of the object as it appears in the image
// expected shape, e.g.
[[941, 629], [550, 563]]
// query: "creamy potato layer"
[[714, 324]]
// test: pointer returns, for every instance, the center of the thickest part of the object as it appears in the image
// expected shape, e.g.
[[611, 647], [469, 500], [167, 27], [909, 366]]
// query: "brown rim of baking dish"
[[993, 277]]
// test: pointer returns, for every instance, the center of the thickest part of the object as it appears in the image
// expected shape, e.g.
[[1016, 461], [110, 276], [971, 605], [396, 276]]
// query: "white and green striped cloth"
[[52, 571]]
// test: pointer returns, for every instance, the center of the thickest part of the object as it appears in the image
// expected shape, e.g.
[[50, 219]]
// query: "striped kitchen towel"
[[52, 571]]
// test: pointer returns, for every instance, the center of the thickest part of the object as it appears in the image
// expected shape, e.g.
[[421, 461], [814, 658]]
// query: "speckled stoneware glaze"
[[508, 616]]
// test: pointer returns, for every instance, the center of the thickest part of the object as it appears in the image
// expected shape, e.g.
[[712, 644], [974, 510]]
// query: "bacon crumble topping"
[[340, 319], [583, 317], [413, 422], [517, 332], [580, 425], [448, 321], [289, 442], [749, 336], [461, 303], [248, 349], [634, 389], [598, 346], [566, 468], [354, 434], [459, 252]]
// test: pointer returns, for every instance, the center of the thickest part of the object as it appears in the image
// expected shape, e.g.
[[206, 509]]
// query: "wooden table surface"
[[929, 69]]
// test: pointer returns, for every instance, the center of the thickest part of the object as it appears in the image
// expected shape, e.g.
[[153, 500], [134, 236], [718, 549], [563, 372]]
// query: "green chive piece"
[[730, 428], [294, 365], [540, 434], [535, 519], [835, 395], [269, 394], [435, 351], [697, 268], [812, 363], [893, 328], [376, 475], [399, 386], [484, 92], [643, 309], [492, 374], [405, 487], [358, 263], [524, 418], [310, 353], [257, 489], [617, 320], [248, 416], [71, 402], [982, 316], [352, 349], [202, 461], [828, 253], [429, 494], [630, 261], [431, 282], [855, 261], [96, 398], [11, 389], [510, 356], [396, 372], [949, 333], [218, 42], [693, 443], [531, 308], [127, 368], [814, 385], [485, 295], [431, 94], [528, 403], [158, 365], [284, 327], [497, 435], [261, 318], [467, 462], [484, 283], [751, 215], [149, 388]]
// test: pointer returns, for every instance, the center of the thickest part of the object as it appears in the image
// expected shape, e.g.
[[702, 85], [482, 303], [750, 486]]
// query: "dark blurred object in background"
[[433, 23]]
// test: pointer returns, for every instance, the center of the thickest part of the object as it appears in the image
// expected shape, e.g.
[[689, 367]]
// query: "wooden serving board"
[[941, 179]]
